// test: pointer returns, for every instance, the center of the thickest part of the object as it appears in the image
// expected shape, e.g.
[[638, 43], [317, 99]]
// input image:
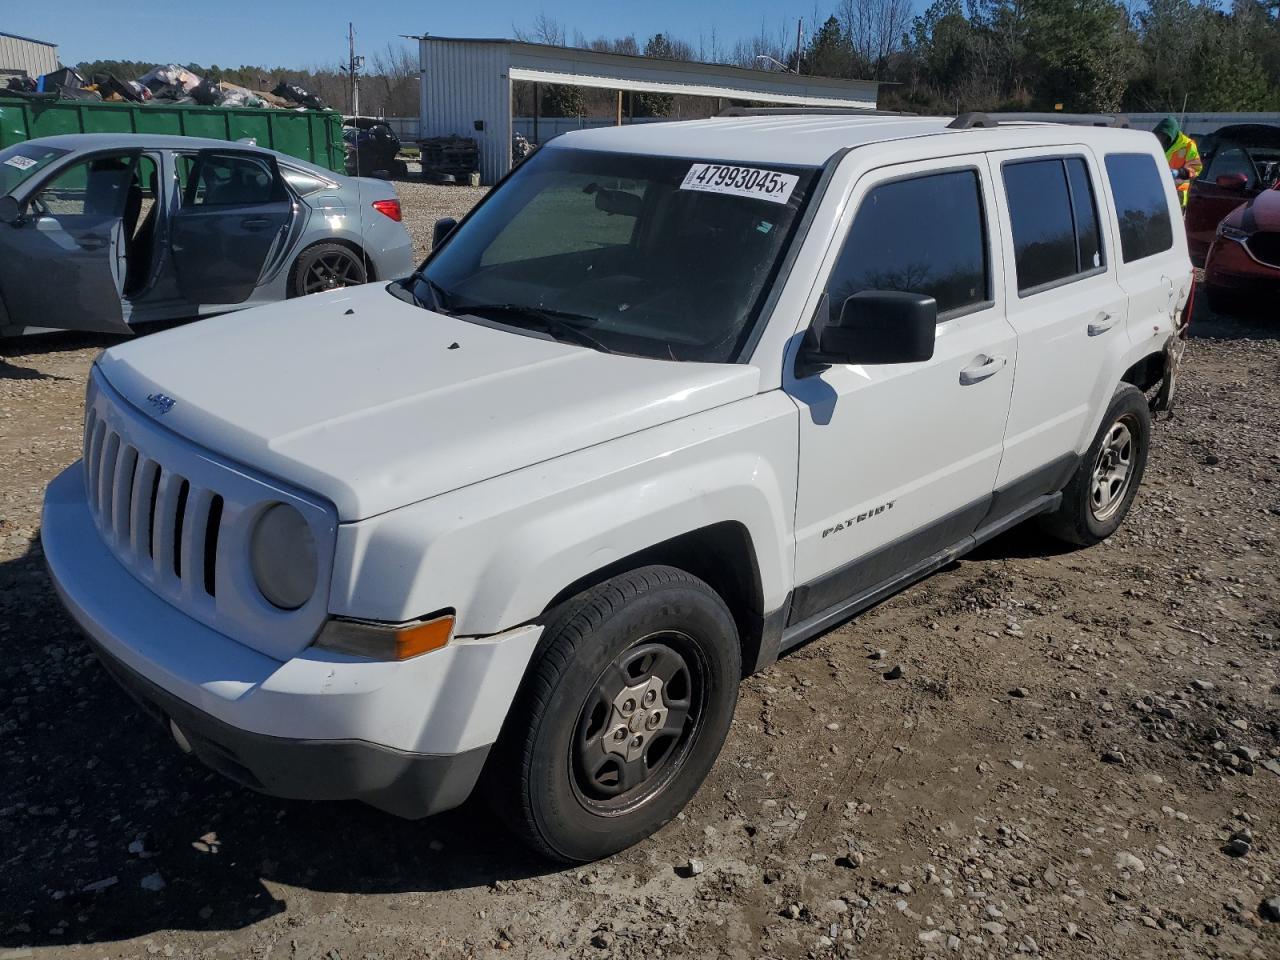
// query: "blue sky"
[[303, 34]]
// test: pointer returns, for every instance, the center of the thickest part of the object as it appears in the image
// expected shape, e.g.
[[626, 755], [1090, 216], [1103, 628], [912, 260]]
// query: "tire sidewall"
[[567, 826], [308, 256], [1131, 406]]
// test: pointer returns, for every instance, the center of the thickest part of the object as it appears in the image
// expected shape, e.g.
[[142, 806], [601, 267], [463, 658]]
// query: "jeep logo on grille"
[[162, 403]]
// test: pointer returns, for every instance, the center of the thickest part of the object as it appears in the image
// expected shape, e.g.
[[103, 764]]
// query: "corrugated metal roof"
[[14, 36]]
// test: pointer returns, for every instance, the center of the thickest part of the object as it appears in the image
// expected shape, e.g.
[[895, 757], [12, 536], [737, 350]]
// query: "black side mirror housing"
[[10, 210], [879, 326], [444, 226]]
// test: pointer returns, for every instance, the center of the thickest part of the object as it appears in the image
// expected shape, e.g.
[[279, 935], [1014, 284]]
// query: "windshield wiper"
[[438, 293], [550, 320]]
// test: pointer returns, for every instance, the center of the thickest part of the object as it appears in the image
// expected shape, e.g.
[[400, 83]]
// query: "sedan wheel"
[[326, 266]]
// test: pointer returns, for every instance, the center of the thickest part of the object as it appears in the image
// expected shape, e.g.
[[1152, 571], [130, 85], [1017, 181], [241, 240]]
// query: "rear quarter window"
[[1142, 207]]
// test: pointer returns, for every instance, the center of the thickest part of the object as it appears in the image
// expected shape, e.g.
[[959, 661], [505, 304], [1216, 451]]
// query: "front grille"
[[180, 519], [151, 516], [1266, 247]]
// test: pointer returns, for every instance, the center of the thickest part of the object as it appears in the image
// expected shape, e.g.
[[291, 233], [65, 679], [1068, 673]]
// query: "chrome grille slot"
[[180, 519], [106, 478], [122, 493], [142, 505]]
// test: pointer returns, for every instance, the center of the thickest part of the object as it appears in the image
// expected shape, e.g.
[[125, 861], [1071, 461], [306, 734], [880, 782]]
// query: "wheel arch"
[[1146, 373], [722, 555]]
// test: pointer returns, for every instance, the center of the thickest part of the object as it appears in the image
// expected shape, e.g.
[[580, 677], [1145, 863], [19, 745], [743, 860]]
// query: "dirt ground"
[[1081, 758]]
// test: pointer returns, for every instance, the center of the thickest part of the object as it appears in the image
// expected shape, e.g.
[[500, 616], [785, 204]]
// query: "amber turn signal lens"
[[386, 641], [423, 638]]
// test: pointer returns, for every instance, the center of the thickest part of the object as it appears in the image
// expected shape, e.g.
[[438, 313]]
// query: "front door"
[[63, 263], [898, 461], [232, 224]]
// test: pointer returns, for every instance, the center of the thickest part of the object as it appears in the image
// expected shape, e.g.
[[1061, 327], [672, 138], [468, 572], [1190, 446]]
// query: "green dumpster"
[[311, 135]]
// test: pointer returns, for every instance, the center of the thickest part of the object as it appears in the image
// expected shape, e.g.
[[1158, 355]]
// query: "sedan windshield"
[[23, 161], [651, 256]]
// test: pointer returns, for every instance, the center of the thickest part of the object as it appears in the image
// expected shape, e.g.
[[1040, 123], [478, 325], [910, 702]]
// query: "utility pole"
[[354, 64], [799, 30]]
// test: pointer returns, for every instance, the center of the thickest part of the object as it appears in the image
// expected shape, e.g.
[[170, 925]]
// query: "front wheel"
[[623, 712], [326, 266], [1099, 496]]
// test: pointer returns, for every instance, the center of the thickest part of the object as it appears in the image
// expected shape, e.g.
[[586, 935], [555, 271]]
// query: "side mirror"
[[880, 326], [10, 210], [1232, 181], [444, 226]]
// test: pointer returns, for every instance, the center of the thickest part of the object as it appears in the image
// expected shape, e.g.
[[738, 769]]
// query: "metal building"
[[466, 86], [19, 55]]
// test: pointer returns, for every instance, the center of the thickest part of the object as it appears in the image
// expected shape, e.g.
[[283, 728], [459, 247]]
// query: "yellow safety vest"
[[1183, 152]]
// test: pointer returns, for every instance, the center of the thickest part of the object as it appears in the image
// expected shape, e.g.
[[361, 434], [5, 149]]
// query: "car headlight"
[[282, 553], [1232, 233]]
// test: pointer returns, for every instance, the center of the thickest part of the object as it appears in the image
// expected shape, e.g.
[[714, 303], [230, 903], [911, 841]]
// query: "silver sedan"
[[107, 231]]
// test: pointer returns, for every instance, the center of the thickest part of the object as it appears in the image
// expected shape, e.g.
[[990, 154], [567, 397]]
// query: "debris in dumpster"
[[295, 93], [170, 76]]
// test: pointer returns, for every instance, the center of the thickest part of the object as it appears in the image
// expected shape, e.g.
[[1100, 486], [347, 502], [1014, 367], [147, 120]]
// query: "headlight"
[[1232, 233], [282, 552]]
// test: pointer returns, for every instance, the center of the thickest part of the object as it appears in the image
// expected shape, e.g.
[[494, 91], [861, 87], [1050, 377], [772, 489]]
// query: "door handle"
[[91, 243], [981, 368], [254, 223], [1104, 323]]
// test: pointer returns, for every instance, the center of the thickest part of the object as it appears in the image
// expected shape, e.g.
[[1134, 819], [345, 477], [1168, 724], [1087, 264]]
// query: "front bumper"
[[409, 738]]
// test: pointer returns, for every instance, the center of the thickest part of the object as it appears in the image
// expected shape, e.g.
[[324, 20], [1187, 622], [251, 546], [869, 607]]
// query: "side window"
[[98, 187], [1141, 205], [603, 213], [214, 180], [923, 235], [1232, 160], [1054, 219], [304, 183], [1084, 209]]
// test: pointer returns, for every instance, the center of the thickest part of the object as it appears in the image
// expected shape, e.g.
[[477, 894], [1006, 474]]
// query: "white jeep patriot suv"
[[671, 400]]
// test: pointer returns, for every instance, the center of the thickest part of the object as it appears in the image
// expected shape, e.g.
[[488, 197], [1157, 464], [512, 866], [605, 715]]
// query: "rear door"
[[1064, 302], [63, 264], [232, 224]]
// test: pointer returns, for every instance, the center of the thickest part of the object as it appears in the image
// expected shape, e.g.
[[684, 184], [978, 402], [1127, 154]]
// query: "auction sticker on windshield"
[[22, 163], [740, 181]]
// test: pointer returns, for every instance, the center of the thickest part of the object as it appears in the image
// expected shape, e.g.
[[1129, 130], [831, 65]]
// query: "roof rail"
[[967, 121], [795, 111]]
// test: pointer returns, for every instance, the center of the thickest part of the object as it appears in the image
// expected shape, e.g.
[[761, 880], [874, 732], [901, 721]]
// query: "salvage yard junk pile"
[[169, 84]]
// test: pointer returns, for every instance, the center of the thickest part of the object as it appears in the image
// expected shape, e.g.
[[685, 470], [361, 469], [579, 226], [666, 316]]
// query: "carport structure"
[[467, 86]]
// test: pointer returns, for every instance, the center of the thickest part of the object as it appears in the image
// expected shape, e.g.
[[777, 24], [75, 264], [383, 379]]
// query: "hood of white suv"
[[374, 403]]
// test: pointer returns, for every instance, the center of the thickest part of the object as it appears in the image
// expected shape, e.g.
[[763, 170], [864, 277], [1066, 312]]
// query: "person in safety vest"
[[1181, 153]]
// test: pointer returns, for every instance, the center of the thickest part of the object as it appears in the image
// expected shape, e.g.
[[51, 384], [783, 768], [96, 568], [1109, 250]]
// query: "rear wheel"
[[1099, 496], [621, 716], [326, 266]]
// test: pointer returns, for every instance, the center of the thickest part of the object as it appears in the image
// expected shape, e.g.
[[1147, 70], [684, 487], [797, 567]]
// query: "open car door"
[[63, 259], [234, 218]]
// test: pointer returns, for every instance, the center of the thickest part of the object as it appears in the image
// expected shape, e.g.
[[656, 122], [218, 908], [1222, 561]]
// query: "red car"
[[1243, 264], [1240, 162]]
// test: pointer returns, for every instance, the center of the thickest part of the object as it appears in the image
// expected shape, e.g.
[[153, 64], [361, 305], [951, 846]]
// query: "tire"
[[399, 168], [340, 265], [1091, 512], [558, 775]]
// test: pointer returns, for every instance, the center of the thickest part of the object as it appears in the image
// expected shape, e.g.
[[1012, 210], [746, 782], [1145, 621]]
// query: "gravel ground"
[[1080, 759]]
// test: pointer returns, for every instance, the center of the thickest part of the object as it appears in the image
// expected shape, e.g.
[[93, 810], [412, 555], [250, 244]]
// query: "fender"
[[498, 552]]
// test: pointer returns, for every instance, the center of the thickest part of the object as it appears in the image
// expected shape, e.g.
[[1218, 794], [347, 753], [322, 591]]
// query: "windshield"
[[23, 161], [652, 256]]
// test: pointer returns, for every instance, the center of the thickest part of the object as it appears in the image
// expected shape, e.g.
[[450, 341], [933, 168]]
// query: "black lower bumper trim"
[[408, 785]]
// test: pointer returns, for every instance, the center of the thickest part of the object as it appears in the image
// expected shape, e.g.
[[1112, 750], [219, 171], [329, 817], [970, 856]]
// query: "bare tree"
[[875, 28], [545, 29], [396, 80]]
